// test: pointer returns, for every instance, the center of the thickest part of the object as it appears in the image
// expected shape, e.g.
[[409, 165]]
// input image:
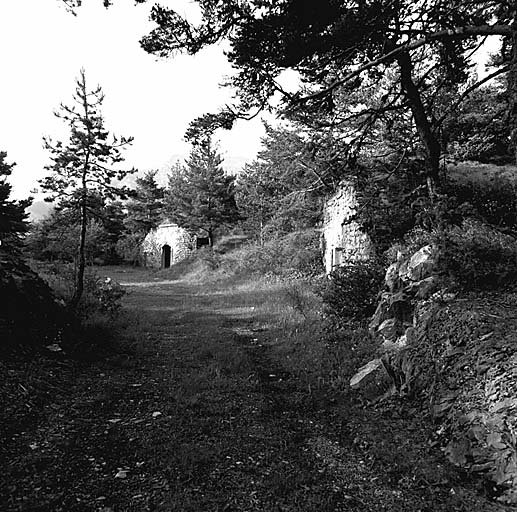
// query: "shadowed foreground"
[[197, 413]]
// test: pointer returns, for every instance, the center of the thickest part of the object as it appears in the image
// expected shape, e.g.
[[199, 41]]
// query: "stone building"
[[167, 244], [342, 238]]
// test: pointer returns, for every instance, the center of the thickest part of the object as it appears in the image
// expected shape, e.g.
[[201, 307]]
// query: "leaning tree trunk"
[[425, 130]]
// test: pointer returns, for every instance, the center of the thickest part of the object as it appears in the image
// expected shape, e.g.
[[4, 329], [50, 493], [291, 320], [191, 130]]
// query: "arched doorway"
[[166, 256]]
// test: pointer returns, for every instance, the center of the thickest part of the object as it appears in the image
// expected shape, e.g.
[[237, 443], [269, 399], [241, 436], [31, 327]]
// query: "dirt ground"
[[195, 412]]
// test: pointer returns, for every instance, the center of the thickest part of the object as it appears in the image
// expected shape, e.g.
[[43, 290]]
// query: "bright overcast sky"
[[42, 50]]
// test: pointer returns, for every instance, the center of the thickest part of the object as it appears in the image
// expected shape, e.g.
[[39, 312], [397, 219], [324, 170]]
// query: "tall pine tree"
[[201, 197], [85, 167]]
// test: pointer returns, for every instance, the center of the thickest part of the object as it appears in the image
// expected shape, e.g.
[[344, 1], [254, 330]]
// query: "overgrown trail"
[[199, 415]]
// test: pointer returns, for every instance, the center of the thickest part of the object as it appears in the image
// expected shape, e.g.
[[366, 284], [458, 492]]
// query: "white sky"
[[43, 47]]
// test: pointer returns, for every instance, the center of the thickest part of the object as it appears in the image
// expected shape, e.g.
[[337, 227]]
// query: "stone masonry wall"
[[343, 240], [181, 242]]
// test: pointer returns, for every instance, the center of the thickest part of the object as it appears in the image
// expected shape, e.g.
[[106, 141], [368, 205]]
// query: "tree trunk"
[[79, 282], [425, 131], [210, 238], [512, 89]]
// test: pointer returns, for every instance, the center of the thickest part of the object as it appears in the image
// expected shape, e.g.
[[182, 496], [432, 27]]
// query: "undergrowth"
[[92, 330]]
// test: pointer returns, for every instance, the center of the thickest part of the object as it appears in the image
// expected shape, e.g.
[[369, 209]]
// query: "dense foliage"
[[281, 190], [143, 212], [422, 48], [201, 196], [352, 291], [13, 217]]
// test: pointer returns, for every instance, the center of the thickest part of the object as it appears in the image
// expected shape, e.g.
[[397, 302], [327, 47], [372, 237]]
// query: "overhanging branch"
[[457, 33]]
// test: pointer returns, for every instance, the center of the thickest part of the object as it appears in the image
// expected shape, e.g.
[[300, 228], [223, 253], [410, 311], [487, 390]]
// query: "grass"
[[218, 398]]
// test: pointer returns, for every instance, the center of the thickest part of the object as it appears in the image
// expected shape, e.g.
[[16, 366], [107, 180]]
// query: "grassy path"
[[196, 413]]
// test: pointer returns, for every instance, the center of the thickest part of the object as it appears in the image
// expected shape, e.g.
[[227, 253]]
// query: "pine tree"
[[84, 167], [201, 197], [144, 209], [13, 217], [144, 212]]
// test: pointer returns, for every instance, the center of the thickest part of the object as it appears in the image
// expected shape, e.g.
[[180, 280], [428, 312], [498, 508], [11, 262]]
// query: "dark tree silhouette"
[[13, 217]]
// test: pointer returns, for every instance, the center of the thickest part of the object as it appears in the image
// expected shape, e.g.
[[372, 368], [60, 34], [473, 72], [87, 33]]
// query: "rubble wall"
[[342, 238]]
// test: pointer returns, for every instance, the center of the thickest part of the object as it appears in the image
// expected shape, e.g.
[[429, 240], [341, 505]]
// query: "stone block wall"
[[342, 237], [181, 242]]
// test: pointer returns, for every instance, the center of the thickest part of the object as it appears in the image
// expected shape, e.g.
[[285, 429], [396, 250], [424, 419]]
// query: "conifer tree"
[[13, 217], [86, 166], [144, 209], [201, 197]]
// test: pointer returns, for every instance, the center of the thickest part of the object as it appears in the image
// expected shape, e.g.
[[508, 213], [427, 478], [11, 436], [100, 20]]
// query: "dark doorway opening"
[[201, 242], [166, 256]]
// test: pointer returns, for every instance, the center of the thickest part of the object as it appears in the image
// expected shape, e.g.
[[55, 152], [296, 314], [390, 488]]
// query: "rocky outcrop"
[[30, 313], [458, 354]]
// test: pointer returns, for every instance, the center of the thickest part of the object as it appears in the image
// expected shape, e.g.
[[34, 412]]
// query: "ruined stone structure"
[[166, 245], [342, 238]]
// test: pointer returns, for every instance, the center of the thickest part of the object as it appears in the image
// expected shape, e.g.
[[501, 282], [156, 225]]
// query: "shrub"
[[478, 256], [494, 200], [352, 291], [294, 255], [100, 295]]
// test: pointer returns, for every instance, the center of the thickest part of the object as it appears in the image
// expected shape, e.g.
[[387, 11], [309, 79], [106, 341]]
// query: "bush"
[[494, 200], [352, 291], [294, 255], [99, 295], [478, 256]]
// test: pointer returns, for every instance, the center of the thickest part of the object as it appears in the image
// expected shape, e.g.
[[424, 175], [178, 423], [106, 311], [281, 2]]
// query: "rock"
[[426, 287], [403, 269], [411, 335], [394, 346], [421, 264], [390, 329], [400, 307], [367, 374], [30, 312], [392, 276], [381, 313]]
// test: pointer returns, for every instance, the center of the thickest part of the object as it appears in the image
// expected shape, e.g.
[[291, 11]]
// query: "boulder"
[[390, 329], [381, 313], [390, 346], [368, 374], [425, 288], [391, 278], [400, 307], [30, 312], [421, 264]]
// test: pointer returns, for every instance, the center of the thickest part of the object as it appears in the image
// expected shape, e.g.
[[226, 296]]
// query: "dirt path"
[[197, 415]]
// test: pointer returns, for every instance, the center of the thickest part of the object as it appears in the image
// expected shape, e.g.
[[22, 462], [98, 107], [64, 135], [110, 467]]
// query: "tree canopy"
[[13, 217], [422, 50], [201, 197]]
